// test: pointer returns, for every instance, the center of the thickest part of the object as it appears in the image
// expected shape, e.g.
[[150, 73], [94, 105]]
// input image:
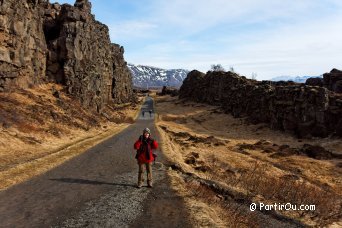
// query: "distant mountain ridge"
[[299, 79], [149, 76]]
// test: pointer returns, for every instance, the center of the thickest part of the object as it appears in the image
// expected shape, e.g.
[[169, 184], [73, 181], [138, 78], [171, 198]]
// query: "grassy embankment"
[[222, 164], [39, 131]]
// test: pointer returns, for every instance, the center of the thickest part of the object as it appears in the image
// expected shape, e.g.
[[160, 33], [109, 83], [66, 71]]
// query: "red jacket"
[[142, 149]]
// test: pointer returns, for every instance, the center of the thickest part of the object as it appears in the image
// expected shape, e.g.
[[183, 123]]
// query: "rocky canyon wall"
[[301, 109], [22, 44], [66, 45], [122, 80]]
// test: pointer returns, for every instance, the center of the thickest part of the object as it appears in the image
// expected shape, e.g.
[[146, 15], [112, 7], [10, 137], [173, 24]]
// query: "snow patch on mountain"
[[148, 76], [299, 79]]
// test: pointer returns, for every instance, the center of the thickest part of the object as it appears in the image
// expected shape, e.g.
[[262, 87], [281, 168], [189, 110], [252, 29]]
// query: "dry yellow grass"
[[225, 162], [49, 159], [201, 214], [32, 143]]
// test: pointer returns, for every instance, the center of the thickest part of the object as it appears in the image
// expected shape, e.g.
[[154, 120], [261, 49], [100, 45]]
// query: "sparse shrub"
[[256, 180], [129, 120], [254, 76], [217, 67], [299, 192], [27, 127], [235, 214]]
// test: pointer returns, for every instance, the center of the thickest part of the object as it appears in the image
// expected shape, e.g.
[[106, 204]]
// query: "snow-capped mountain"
[[299, 79], [147, 76]]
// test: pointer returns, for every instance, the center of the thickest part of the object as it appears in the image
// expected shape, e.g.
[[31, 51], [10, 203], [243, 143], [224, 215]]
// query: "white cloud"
[[302, 49], [269, 37], [198, 15], [306, 42], [132, 30]]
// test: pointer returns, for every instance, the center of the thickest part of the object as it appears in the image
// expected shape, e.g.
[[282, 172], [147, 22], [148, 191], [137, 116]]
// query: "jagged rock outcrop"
[[22, 44], [83, 58], [122, 84], [79, 53], [298, 108], [314, 82], [193, 86], [168, 91], [333, 80], [65, 45]]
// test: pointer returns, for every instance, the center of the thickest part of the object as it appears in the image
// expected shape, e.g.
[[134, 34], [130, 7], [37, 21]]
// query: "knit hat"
[[147, 130]]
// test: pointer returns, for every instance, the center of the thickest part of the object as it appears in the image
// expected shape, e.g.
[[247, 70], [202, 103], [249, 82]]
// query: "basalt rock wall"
[[79, 53], [332, 81], [72, 49], [122, 83], [22, 44], [301, 109]]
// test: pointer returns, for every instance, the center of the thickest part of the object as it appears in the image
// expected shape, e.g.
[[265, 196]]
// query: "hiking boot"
[[139, 184], [149, 184]]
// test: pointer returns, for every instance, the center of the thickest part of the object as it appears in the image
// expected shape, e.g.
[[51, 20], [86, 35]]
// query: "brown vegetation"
[[41, 127], [221, 164]]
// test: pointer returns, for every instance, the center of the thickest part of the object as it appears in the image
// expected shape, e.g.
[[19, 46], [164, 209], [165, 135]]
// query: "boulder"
[[168, 91], [316, 151]]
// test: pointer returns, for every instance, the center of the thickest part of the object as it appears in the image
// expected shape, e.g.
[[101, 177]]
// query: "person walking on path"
[[150, 113], [145, 156]]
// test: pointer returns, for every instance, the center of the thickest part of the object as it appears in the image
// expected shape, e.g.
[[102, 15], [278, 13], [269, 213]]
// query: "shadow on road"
[[91, 182]]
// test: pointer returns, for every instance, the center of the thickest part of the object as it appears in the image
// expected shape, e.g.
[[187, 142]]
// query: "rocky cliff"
[[22, 44], [304, 110], [122, 83], [67, 46]]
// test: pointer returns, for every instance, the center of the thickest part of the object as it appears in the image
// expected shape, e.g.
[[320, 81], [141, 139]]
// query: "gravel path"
[[97, 189], [117, 208]]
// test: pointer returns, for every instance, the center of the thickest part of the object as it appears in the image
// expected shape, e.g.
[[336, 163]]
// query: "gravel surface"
[[118, 208]]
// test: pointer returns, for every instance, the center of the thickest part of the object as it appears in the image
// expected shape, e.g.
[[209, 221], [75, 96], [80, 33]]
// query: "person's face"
[[146, 135]]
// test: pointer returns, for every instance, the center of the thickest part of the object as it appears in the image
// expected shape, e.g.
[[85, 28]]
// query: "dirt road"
[[97, 189]]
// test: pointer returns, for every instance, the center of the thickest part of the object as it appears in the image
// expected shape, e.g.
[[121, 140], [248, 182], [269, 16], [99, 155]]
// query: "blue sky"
[[267, 37]]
